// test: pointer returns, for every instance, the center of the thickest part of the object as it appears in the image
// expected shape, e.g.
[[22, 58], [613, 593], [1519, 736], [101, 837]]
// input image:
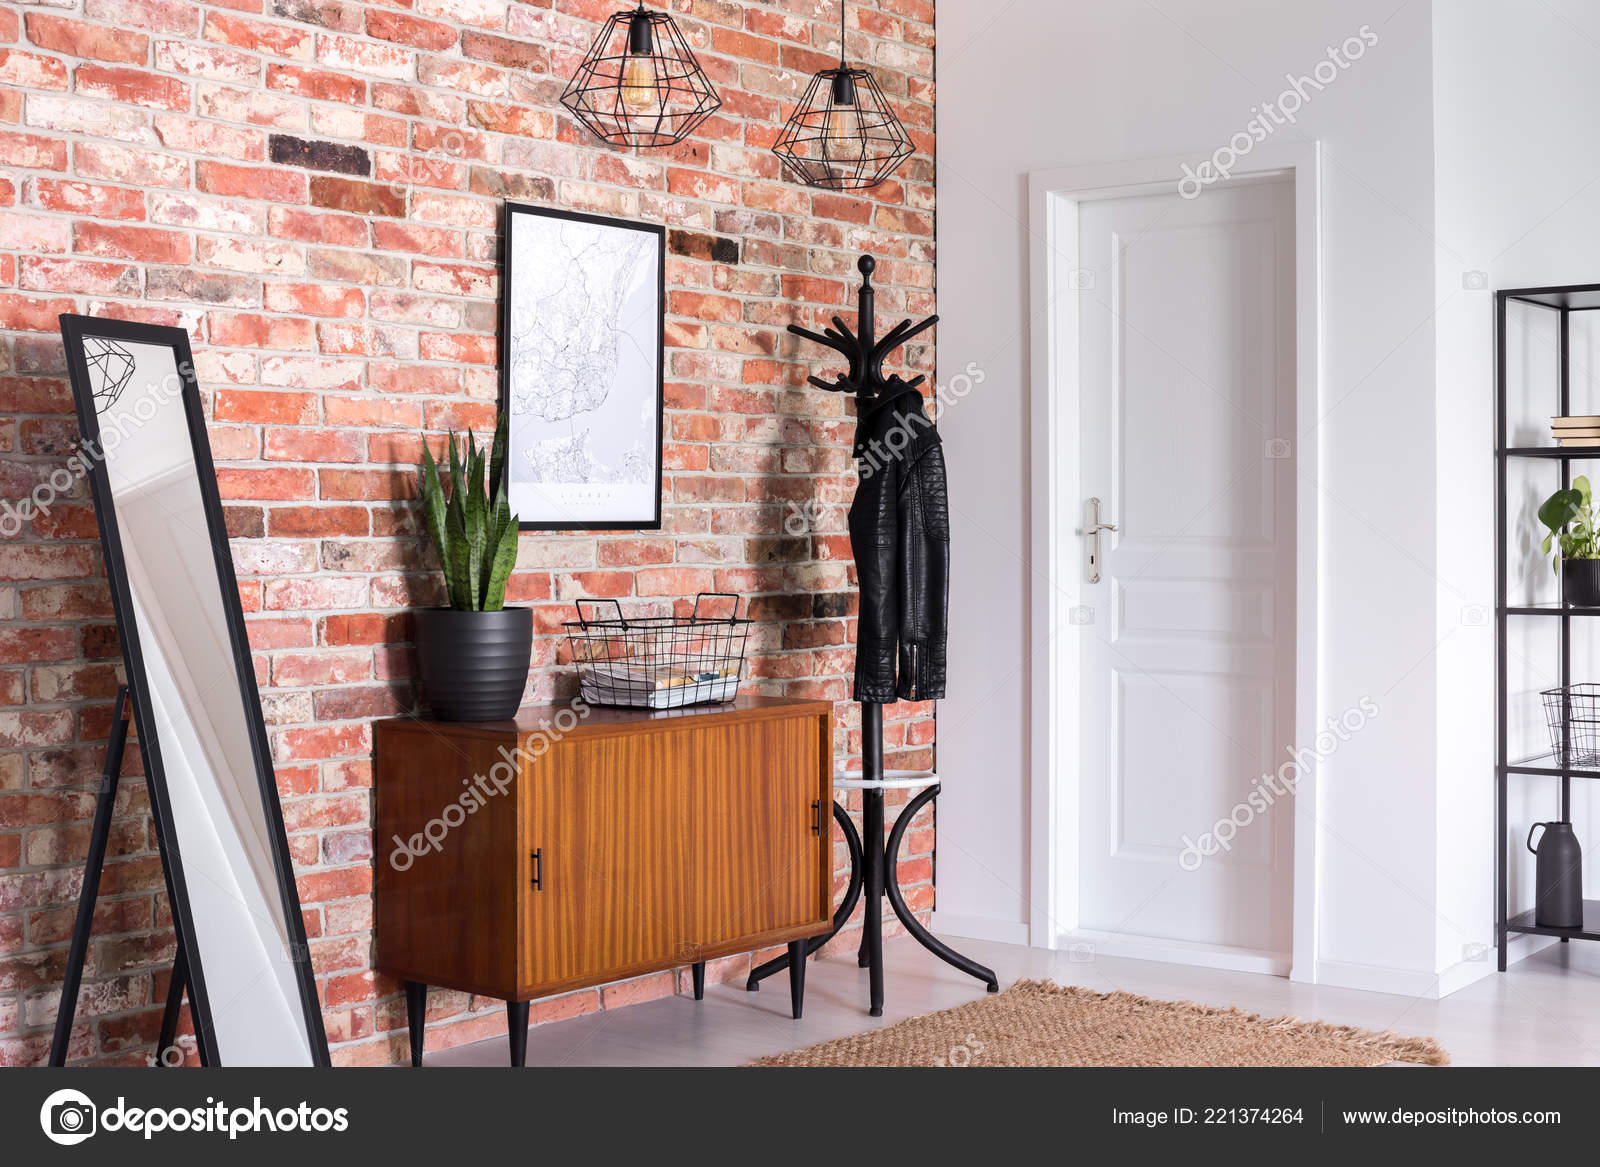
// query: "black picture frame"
[[74, 331], [652, 521]]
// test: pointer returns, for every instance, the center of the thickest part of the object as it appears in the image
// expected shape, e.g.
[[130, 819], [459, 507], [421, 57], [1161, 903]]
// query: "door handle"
[[816, 816], [1092, 526], [538, 868]]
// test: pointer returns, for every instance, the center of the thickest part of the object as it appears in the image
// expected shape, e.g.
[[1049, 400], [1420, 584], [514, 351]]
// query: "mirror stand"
[[246, 965], [66, 1013]]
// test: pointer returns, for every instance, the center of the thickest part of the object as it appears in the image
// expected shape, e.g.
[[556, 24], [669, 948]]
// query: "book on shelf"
[[1577, 421], [1586, 443]]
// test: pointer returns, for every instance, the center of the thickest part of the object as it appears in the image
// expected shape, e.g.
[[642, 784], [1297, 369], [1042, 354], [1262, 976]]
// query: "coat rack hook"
[[865, 354]]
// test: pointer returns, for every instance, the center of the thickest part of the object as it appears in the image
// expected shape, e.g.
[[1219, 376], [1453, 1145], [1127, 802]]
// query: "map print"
[[583, 355]]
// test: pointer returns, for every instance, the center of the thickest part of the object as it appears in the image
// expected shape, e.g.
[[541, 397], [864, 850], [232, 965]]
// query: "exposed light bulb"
[[846, 142], [638, 86]]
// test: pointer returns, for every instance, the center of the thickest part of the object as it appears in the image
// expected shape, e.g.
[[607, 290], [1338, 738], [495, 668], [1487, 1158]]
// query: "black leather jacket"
[[900, 536]]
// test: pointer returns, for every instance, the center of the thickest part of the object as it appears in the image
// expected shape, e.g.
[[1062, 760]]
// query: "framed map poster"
[[581, 369]]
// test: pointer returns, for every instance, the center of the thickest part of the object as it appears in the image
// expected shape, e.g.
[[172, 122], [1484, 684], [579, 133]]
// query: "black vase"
[[1558, 871], [1580, 582], [474, 664]]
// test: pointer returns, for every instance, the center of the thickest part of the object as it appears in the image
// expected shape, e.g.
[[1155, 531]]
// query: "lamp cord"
[[841, 33]]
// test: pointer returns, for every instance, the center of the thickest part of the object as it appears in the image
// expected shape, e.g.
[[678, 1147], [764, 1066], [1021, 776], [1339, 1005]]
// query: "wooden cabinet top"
[[608, 720]]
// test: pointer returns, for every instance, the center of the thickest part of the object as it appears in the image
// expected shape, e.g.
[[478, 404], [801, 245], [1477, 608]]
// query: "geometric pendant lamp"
[[843, 135], [640, 85]]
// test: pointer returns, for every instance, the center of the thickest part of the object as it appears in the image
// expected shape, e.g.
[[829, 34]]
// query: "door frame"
[[1054, 199]]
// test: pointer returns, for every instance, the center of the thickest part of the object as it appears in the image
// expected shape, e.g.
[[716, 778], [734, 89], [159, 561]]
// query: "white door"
[[1187, 653]]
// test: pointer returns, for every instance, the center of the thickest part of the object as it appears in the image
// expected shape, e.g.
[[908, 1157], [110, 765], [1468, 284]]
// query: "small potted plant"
[[473, 654], [1569, 514]]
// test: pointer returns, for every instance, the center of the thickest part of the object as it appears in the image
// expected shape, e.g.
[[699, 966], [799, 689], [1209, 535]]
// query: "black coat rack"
[[869, 863]]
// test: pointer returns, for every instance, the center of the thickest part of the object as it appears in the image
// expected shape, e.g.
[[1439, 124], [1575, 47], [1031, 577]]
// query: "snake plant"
[[473, 529]]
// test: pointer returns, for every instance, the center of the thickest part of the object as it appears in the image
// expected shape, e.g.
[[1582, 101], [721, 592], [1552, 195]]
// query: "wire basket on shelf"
[[1573, 712], [659, 662]]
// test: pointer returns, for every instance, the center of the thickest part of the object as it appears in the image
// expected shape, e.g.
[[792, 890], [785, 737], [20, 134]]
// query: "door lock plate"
[[1092, 526]]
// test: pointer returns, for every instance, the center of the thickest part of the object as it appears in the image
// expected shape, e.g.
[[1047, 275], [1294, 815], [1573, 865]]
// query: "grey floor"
[[1545, 1010]]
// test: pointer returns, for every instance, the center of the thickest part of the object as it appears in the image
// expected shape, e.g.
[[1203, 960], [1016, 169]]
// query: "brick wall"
[[311, 188]]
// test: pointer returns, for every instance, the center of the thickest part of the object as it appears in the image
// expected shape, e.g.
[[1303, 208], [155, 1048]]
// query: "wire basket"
[[659, 662], [1573, 713]]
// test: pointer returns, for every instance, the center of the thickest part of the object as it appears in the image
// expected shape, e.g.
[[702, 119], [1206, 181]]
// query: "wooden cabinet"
[[515, 859], [608, 835], [750, 782]]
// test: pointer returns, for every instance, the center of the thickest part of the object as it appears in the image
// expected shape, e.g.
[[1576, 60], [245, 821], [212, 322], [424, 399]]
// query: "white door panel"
[[1186, 402], [1202, 608]]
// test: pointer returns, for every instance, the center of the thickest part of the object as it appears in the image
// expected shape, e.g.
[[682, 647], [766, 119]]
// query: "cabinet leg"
[[841, 914], [517, 1023], [416, 1016], [797, 977], [698, 971]]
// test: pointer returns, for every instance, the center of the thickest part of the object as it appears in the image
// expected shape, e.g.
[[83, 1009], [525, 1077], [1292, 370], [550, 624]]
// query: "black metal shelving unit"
[[1563, 300]]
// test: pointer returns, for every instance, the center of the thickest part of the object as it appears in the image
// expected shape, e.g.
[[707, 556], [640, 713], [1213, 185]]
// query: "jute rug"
[[1038, 1023]]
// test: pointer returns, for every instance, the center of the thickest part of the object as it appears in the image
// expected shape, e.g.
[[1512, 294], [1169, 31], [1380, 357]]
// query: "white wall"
[[1517, 153], [1038, 84]]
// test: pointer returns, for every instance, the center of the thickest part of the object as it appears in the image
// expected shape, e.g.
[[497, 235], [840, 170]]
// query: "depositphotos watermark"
[[482, 787], [1267, 789], [963, 1053], [1281, 110], [68, 1117], [803, 517]]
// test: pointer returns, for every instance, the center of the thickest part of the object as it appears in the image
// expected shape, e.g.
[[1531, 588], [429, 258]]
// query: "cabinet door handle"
[[538, 868], [816, 816]]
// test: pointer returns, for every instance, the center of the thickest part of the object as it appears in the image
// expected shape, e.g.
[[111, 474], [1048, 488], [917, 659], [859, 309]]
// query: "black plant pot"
[[1580, 582], [474, 664]]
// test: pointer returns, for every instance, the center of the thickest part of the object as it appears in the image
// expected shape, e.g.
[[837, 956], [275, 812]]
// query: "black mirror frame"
[[73, 331]]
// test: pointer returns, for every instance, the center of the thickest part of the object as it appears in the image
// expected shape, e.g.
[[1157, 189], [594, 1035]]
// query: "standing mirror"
[[251, 990]]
